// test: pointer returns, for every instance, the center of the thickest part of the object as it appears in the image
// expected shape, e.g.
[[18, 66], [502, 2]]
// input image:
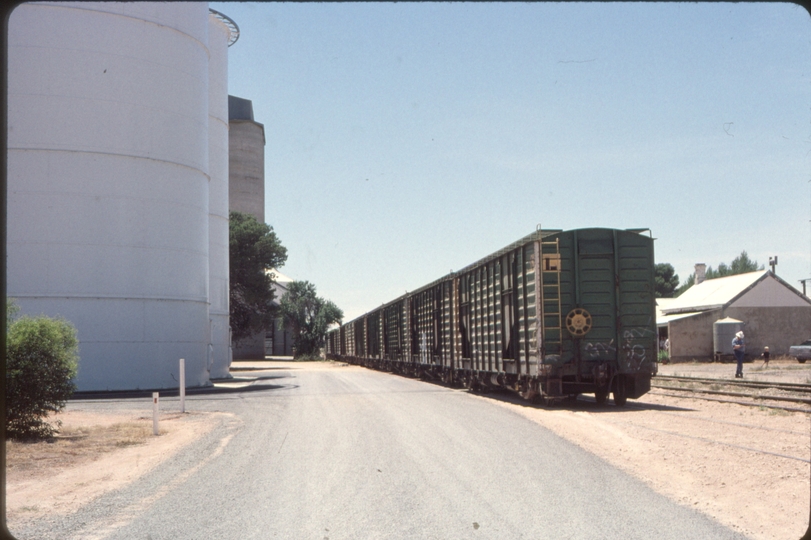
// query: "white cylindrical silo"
[[221, 32], [108, 185]]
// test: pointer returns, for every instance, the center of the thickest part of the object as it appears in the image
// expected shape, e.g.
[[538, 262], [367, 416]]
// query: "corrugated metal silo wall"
[[220, 350], [108, 183]]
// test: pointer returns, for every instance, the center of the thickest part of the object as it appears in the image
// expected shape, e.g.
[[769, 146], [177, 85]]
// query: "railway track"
[[754, 393]]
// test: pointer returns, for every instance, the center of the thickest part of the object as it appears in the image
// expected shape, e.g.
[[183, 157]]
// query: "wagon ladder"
[[550, 311]]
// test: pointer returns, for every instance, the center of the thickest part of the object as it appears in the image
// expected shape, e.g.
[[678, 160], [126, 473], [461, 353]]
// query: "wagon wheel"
[[528, 391], [620, 392], [549, 402], [578, 322]]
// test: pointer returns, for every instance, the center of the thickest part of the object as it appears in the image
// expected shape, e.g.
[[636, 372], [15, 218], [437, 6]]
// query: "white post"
[[182, 385], [155, 413]]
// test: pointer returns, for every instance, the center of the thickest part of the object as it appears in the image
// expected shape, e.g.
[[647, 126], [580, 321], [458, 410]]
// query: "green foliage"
[[254, 251], [309, 317], [41, 361], [739, 265], [665, 280]]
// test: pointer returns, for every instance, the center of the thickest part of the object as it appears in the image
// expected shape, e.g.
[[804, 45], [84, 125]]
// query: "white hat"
[[739, 335]]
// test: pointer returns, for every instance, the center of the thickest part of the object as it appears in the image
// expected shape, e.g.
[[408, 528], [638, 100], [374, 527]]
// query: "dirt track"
[[745, 466], [748, 467]]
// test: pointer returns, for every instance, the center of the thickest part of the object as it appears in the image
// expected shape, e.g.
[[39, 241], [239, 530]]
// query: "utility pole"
[[803, 282], [773, 262]]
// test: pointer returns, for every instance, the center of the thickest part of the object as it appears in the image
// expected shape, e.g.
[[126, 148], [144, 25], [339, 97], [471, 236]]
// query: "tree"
[[309, 317], [666, 280], [254, 251], [41, 361], [739, 265]]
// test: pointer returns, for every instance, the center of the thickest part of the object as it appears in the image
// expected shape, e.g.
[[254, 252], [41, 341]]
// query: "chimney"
[[701, 268]]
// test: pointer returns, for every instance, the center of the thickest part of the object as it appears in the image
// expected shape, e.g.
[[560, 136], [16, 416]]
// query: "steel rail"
[[795, 387], [807, 401]]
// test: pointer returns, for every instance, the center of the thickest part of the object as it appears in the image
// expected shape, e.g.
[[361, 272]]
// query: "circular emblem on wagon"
[[578, 322]]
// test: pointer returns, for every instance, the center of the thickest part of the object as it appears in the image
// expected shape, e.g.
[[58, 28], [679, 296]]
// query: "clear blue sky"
[[407, 140]]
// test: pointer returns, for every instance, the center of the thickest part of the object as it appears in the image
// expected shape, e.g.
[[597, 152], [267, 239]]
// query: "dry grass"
[[73, 446]]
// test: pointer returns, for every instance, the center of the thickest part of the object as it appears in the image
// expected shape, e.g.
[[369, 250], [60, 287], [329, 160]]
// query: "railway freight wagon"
[[556, 314]]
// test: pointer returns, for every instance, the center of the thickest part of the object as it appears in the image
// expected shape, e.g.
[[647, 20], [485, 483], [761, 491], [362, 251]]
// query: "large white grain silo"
[[108, 181]]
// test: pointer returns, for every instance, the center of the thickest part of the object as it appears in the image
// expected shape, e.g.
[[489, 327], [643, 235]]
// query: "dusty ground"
[[747, 467], [95, 453]]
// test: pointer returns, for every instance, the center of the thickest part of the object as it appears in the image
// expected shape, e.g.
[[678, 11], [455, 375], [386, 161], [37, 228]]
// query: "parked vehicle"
[[553, 315], [801, 352]]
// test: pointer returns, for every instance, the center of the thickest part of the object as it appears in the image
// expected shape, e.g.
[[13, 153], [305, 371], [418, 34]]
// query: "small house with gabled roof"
[[773, 314]]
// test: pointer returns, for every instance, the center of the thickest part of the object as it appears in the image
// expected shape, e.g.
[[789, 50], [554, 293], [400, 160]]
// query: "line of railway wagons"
[[553, 315]]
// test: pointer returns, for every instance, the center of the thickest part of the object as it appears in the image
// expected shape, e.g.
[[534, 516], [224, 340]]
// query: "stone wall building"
[[772, 313]]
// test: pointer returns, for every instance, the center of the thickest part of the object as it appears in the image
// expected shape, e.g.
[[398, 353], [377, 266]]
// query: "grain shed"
[[774, 313]]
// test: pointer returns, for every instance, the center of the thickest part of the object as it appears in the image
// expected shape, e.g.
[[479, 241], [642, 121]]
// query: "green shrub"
[[41, 361]]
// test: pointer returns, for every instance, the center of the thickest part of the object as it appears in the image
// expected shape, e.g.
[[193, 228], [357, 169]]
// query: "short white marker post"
[[155, 413], [182, 385]]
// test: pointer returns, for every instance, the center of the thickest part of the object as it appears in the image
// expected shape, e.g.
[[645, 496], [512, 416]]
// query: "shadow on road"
[[221, 386], [581, 403]]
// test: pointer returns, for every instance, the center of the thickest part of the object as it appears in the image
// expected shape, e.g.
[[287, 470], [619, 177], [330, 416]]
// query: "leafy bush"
[[41, 361], [309, 316]]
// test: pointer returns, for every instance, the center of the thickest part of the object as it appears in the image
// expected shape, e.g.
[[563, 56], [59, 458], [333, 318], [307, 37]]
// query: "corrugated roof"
[[663, 303], [713, 293], [662, 320]]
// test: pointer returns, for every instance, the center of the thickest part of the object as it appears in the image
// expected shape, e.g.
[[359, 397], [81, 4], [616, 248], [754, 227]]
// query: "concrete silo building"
[[246, 194], [246, 146], [246, 186], [117, 175]]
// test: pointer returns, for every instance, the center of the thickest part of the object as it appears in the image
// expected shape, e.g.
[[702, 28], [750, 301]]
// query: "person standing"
[[765, 356], [739, 348]]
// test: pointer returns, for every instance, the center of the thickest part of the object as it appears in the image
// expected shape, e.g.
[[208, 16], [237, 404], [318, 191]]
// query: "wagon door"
[[637, 327], [596, 292]]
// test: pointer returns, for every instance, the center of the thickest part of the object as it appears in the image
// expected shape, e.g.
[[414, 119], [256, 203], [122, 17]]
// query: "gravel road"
[[349, 453]]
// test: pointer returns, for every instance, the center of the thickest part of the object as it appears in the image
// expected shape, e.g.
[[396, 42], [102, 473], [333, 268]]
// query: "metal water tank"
[[108, 183], [222, 32], [723, 332]]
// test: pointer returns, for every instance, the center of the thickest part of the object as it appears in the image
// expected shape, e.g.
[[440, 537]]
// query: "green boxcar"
[[556, 314]]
